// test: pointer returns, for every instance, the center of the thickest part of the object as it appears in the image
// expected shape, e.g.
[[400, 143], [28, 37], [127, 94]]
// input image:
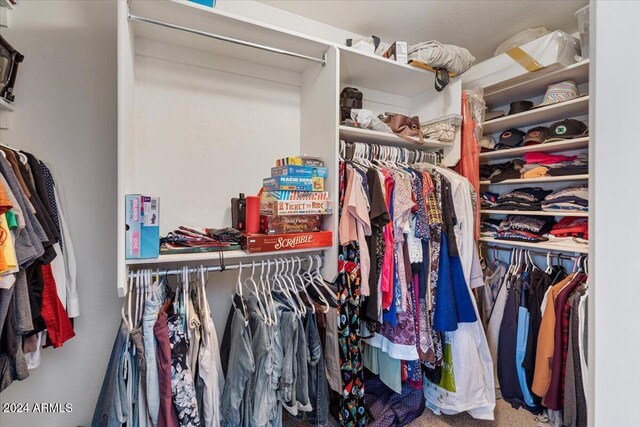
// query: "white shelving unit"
[[5, 113], [551, 147], [215, 256], [544, 179], [6, 4], [556, 247], [351, 134], [534, 213], [535, 83], [360, 69], [185, 94], [548, 113], [532, 86]]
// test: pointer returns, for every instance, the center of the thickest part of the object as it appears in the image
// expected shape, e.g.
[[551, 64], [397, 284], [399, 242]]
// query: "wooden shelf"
[[534, 213], [538, 180], [535, 84], [215, 256], [556, 247], [192, 15], [548, 113], [361, 69], [351, 134], [551, 147], [4, 105]]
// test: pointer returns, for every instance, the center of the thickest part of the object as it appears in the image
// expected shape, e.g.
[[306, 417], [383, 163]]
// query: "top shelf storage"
[[201, 18], [548, 113], [360, 69], [535, 84]]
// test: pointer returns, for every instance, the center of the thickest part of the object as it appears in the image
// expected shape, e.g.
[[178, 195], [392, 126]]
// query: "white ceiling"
[[478, 25]]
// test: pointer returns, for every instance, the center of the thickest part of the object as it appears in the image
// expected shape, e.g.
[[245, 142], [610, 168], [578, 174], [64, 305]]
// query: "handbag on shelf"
[[442, 131], [406, 127]]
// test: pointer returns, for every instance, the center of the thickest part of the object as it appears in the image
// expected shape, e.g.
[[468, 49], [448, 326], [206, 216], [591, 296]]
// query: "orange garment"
[[536, 172], [469, 164], [546, 341]]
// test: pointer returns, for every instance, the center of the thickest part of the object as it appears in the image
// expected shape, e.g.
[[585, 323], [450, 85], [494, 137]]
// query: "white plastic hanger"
[[279, 279], [261, 306], [306, 277], [319, 279], [300, 285], [268, 289]]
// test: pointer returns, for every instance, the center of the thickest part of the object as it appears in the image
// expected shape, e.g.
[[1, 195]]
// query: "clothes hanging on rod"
[[535, 328], [38, 294], [272, 353], [362, 150], [407, 267]]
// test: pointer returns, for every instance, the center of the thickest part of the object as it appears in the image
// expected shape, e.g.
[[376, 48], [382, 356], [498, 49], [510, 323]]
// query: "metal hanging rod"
[[322, 60], [553, 253], [225, 267]]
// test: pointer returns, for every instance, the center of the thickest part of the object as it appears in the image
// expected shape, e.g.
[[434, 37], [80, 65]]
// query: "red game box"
[[286, 242]]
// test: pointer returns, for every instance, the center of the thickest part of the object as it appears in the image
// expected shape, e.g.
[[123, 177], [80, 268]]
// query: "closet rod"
[[222, 267], [322, 60], [558, 255]]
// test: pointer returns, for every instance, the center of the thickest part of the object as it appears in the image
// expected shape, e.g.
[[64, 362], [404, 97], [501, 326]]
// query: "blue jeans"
[[112, 408]]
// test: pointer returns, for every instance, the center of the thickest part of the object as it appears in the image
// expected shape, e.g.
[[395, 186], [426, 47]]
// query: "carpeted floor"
[[505, 415]]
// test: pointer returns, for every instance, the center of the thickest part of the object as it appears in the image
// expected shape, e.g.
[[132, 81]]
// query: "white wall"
[[66, 115], [615, 311]]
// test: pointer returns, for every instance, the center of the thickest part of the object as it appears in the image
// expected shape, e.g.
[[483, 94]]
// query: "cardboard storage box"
[[295, 203], [293, 183], [283, 224]]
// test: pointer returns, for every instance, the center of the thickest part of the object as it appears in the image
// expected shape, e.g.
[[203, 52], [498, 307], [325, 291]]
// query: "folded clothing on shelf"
[[488, 199], [542, 164], [498, 172], [525, 228], [521, 199], [489, 226], [571, 227], [574, 198]]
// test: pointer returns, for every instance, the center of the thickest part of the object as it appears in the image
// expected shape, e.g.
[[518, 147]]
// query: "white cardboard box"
[[556, 49]]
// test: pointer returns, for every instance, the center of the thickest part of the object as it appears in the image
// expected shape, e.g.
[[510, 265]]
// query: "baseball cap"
[[567, 129], [487, 143], [517, 107], [536, 135], [510, 138]]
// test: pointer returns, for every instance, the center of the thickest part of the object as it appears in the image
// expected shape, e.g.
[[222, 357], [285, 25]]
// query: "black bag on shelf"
[[9, 60], [350, 97]]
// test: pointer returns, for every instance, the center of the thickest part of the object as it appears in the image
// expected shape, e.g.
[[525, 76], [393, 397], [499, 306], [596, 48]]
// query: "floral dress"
[[183, 390]]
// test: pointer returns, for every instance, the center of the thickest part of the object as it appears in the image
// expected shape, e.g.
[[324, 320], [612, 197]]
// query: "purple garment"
[[389, 408]]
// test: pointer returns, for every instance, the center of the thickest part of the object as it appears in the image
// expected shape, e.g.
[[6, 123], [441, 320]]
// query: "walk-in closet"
[[276, 213]]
